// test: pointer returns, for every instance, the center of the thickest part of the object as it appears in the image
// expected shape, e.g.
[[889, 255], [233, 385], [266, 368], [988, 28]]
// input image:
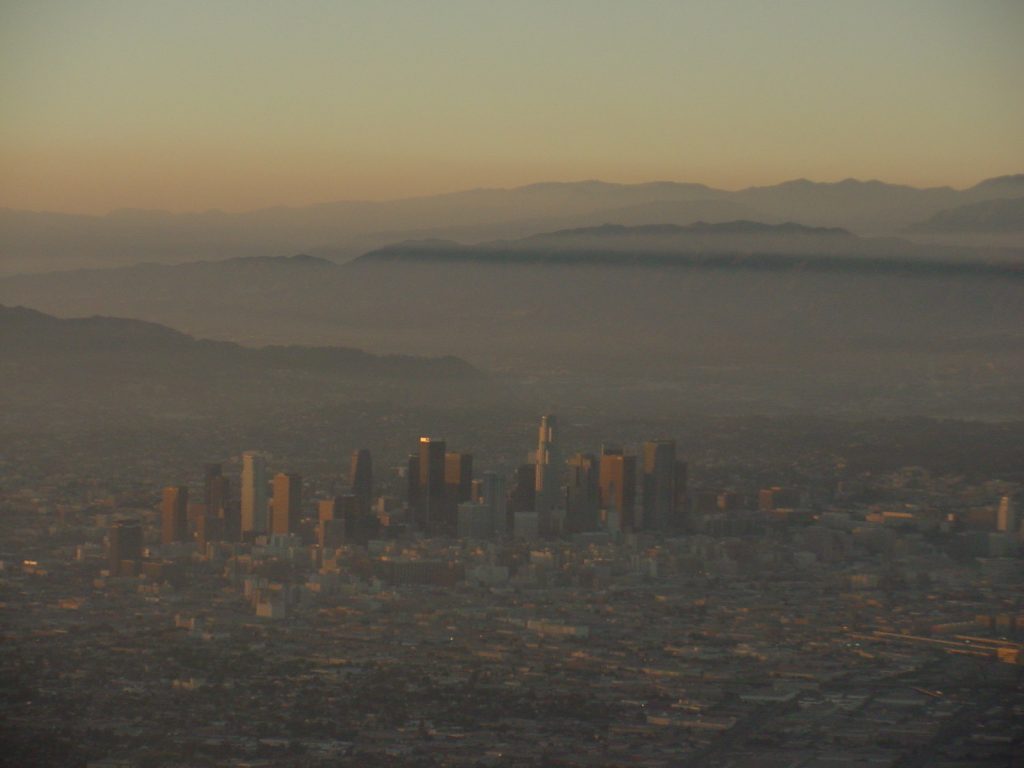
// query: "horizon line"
[[479, 189]]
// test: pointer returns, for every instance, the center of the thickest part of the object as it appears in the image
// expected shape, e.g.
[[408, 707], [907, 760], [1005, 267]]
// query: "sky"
[[242, 104]]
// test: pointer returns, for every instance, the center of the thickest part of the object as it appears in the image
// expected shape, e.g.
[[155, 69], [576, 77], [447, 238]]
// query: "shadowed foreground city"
[[764, 592]]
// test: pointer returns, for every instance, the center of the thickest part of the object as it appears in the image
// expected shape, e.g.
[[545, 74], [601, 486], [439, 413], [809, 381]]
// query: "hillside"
[[103, 364]]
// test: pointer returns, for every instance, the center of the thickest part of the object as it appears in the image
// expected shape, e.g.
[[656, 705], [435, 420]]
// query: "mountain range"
[[1001, 215], [729, 245], [311, 300], [80, 365], [833, 320], [42, 241]]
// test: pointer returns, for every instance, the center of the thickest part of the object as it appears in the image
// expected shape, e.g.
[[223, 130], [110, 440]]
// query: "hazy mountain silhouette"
[[261, 300], [880, 334], [869, 207], [999, 186], [727, 245], [29, 335], [1004, 215], [41, 241]]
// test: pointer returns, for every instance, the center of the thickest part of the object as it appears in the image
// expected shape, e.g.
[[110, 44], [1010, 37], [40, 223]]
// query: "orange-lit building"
[[618, 485], [174, 514], [287, 504], [458, 475]]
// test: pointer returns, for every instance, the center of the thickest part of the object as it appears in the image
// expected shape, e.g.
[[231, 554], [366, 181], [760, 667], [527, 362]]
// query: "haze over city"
[[568, 384]]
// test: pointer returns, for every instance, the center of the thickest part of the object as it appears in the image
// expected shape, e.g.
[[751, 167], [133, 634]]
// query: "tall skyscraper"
[[548, 481], [213, 496], [219, 522], [659, 485], [361, 478], [618, 485], [495, 498], [412, 483], [524, 490], [125, 541], [458, 475], [174, 514], [430, 513], [254, 494], [682, 495], [583, 494], [287, 506]]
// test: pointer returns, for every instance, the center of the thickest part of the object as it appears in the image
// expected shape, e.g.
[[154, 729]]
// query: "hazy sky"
[[239, 104]]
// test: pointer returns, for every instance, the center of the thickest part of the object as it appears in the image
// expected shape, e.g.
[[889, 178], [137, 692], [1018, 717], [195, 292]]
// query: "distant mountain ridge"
[[1003, 215], [737, 227], [730, 245], [42, 241], [1012, 184], [318, 302], [749, 325]]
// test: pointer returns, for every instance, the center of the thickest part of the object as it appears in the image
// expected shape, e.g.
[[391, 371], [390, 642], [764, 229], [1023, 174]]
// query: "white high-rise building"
[[254, 493]]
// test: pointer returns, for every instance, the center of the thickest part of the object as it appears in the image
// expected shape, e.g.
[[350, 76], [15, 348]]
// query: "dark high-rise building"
[[218, 494], [659, 485], [213, 489], [618, 485], [231, 521], [583, 494], [494, 496], [174, 514], [524, 490], [682, 501], [412, 482], [458, 476], [125, 541], [219, 523], [358, 525], [361, 478], [287, 504], [430, 513]]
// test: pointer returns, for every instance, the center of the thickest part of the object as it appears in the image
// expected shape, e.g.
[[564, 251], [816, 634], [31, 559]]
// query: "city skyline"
[[853, 580]]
